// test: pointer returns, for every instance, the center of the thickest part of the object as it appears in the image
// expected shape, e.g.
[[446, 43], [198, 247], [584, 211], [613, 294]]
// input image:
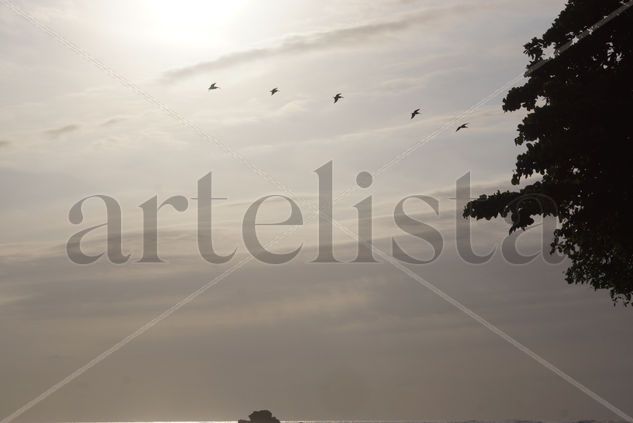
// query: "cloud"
[[112, 121], [316, 41], [56, 132]]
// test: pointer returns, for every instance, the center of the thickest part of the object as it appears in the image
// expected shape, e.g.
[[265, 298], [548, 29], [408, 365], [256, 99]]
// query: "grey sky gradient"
[[308, 341], [335, 38]]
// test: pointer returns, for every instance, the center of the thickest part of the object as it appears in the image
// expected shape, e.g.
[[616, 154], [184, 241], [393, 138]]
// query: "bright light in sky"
[[310, 340], [191, 19]]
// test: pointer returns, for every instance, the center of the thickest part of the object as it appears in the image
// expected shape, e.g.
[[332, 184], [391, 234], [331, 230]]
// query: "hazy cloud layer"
[[57, 132], [335, 38], [113, 121], [361, 341], [304, 339]]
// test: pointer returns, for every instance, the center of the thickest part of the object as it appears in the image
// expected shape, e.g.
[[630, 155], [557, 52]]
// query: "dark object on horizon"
[[462, 126], [274, 91], [578, 137], [415, 112], [213, 86], [337, 97], [261, 416]]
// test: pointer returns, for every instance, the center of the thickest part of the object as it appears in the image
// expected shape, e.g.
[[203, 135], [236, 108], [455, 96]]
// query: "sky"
[[111, 98]]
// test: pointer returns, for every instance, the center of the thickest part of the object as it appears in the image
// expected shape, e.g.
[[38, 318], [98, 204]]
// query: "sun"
[[187, 20]]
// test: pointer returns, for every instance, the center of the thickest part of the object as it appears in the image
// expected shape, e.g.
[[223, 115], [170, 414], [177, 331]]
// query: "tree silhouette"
[[260, 416], [577, 135]]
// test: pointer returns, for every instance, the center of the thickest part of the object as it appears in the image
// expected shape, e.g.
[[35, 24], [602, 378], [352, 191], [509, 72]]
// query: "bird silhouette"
[[274, 91], [213, 86], [462, 126], [337, 97], [415, 113]]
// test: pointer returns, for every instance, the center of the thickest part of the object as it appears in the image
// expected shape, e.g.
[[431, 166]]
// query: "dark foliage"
[[578, 139], [261, 416]]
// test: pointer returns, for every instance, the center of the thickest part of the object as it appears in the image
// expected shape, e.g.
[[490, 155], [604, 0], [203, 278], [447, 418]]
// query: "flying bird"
[[213, 86], [462, 126], [337, 97], [274, 91], [415, 112]]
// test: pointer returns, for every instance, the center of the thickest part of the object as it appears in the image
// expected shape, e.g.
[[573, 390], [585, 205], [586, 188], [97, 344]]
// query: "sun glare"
[[189, 19]]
